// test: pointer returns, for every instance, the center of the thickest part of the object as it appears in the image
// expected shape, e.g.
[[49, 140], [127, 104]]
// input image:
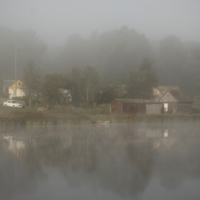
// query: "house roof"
[[162, 94], [175, 91], [15, 84]]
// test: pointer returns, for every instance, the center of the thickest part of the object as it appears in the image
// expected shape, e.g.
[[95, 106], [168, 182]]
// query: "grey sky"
[[55, 20]]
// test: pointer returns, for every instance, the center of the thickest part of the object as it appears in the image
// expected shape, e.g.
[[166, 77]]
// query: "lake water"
[[144, 162]]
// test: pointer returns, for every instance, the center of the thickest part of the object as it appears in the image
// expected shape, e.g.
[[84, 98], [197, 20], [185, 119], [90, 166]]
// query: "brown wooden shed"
[[169, 99], [134, 106]]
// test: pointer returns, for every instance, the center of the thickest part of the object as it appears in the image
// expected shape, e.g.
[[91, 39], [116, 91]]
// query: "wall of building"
[[134, 108], [154, 109], [16, 93], [116, 107]]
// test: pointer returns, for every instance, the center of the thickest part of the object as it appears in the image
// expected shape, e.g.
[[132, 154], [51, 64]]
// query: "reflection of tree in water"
[[179, 162], [91, 158], [141, 155], [112, 172]]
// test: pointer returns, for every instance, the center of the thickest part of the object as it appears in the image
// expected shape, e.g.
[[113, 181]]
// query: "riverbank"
[[15, 118]]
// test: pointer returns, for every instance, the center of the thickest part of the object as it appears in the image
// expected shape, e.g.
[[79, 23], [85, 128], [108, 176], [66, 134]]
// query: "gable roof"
[[174, 91], [162, 94], [16, 84]]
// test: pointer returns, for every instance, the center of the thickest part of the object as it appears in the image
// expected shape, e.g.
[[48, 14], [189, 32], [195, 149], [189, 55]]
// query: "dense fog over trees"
[[24, 45], [113, 54]]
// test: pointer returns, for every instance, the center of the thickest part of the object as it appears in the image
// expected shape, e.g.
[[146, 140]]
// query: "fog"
[[55, 20], [115, 162], [111, 36]]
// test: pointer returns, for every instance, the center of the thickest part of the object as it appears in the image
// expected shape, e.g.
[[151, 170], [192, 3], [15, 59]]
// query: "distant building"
[[168, 99], [173, 99], [133, 106], [15, 90]]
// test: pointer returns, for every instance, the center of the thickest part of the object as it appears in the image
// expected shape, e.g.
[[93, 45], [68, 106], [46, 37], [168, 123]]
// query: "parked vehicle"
[[12, 103]]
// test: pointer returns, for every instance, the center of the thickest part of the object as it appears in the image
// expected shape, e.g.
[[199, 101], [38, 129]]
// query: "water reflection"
[[116, 162]]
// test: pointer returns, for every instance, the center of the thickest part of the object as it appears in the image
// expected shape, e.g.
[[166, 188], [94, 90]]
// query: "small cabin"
[[136, 106], [173, 99], [166, 99]]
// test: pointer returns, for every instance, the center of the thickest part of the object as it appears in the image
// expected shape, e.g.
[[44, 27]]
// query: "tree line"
[[85, 86], [112, 54]]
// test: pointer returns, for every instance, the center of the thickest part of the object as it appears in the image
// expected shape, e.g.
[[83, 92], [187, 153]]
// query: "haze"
[[55, 20]]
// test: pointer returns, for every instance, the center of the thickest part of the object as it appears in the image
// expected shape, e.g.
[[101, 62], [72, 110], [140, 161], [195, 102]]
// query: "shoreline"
[[14, 118]]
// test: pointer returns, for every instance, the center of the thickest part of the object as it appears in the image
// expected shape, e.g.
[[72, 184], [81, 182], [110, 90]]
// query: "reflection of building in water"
[[15, 146], [128, 134]]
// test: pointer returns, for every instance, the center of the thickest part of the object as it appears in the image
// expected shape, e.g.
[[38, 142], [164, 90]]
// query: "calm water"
[[96, 162]]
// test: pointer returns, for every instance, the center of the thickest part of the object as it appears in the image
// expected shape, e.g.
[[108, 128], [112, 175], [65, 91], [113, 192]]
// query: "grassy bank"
[[15, 117], [30, 118]]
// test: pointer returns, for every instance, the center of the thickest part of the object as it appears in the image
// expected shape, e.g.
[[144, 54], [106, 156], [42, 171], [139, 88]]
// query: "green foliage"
[[75, 85], [1, 87], [31, 80], [112, 53], [142, 80], [110, 92], [119, 89], [172, 61], [105, 95], [119, 51], [26, 45], [51, 92], [90, 82]]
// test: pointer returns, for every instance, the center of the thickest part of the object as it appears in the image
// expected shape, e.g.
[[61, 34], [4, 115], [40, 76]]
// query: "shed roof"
[[130, 100], [175, 91]]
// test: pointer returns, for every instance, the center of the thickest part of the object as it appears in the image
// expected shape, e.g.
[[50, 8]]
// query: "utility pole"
[[15, 65]]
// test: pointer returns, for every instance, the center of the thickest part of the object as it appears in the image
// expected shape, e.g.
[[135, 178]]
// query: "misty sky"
[[55, 20]]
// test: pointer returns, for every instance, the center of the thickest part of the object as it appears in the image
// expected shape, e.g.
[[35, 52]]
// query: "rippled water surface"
[[117, 162]]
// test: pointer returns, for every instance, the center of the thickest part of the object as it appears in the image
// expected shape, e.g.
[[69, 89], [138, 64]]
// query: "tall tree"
[[75, 85], [105, 95], [90, 82], [31, 80], [51, 89], [172, 61], [19, 46], [1, 87], [115, 52], [142, 80]]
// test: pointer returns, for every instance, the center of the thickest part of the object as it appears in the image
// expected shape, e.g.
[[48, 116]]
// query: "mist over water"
[[98, 162], [111, 38]]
